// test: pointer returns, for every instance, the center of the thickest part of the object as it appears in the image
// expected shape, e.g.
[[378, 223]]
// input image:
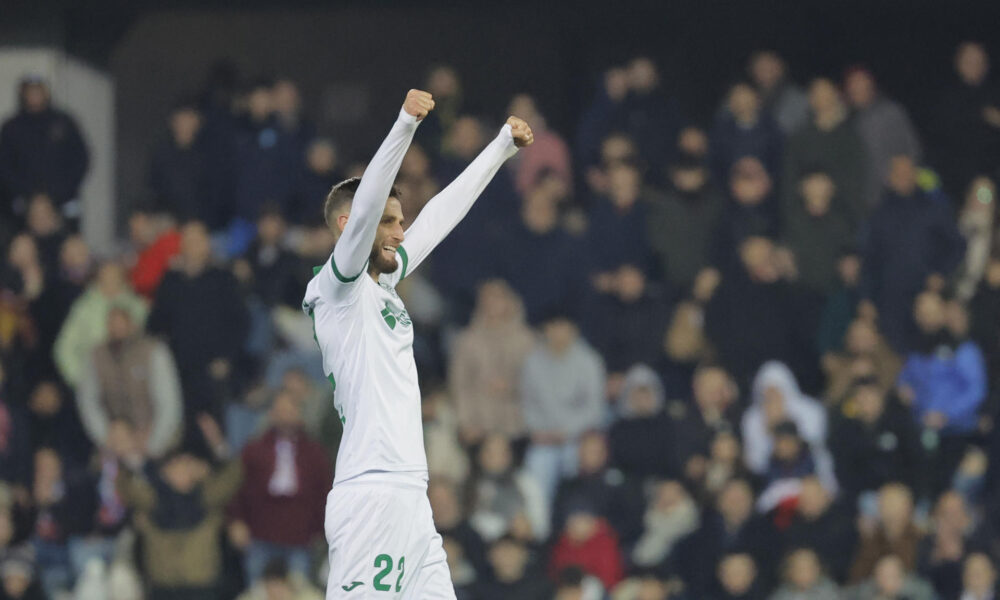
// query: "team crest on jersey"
[[392, 318]]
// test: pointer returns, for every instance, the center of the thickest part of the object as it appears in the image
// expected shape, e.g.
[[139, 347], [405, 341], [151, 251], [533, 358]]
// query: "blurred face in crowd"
[[737, 573], [757, 255], [957, 319], [624, 183], [688, 179], [35, 97], [111, 279], [651, 588], [693, 140], [196, 246], [860, 88], [286, 412], [813, 498], [443, 82], [749, 182], [581, 526], [735, 502], [508, 559], [895, 507], [184, 472], [725, 448], [787, 447], [802, 569], [713, 390], [322, 156], [559, 334], [185, 124], [889, 574], [902, 175], [642, 401], [496, 303], [972, 63], [593, 453], [120, 325], [539, 210], [46, 399], [862, 337], [285, 97], [929, 312], [466, 137], [870, 403], [416, 164], [495, 455], [16, 581], [617, 148], [978, 575], [744, 103], [631, 284], [817, 193], [524, 106], [43, 218], [260, 103], [444, 504], [643, 76], [668, 496], [849, 269], [271, 229], [23, 252], [951, 514], [767, 69], [823, 97]]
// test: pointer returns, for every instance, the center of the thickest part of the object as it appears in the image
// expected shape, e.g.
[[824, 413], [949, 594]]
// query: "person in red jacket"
[[156, 241], [588, 542], [279, 510]]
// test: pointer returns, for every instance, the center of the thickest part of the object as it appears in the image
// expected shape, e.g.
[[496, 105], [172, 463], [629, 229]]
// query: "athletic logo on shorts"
[[353, 585]]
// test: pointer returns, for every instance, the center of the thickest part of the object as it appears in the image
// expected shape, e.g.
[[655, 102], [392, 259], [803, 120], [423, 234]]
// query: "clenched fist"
[[418, 103], [521, 132]]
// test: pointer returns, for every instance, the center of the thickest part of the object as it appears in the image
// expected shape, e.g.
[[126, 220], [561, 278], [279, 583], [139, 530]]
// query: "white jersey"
[[362, 327]]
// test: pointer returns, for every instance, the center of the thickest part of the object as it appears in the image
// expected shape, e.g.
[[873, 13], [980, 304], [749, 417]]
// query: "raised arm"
[[444, 211], [355, 243]]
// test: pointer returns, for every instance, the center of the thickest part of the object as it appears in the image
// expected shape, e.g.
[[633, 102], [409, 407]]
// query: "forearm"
[[356, 241], [444, 211]]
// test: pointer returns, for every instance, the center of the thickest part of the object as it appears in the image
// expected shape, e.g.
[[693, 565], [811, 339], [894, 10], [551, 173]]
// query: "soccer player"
[[378, 519]]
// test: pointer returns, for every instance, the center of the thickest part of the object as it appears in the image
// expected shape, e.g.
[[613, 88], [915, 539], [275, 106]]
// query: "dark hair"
[[276, 569], [342, 194]]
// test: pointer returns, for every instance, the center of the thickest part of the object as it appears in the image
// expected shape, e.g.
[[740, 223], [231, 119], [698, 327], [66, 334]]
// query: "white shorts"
[[382, 541]]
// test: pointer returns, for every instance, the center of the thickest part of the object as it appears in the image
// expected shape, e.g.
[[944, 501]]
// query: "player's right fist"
[[418, 103]]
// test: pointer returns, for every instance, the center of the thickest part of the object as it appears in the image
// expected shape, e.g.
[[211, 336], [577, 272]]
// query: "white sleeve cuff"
[[406, 117]]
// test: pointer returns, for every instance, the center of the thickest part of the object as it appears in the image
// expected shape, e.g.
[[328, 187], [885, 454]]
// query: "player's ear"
[[341, 222]]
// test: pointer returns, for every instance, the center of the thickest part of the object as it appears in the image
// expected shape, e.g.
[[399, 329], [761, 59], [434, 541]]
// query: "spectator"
[[486, 365], [804, 579], [322, 171], [877, 445], [865, 353], [884, 127], [614, 498], [268, 270], [680, 222], [977, 223], [41, 149], [279, 509], [953, 537], [206, 338], [967, 119], [815, 233], [15, 440], [55, 423], [894, 534], [618, 234], [671, 515], [756, 302], [549, 153], [979, 578], [131, 378], [278, 584], [287, 103], [944, 382], [574, 584], [17, 572], [514, 576], [791, 461], [891, 580], [841, 305], [827, 141], [912, 241], [178, 512], [712, 412], [780, 96], [738, 578], [87, 323], [155, 241], [452, 524], [178, 168], [731, 528], [752, 211], [45, 225], [562, 387], [640, 438], [504, 495], [446, 457], [444, 83], [49, 310], [743, 129], [823, 526], [588, 542]]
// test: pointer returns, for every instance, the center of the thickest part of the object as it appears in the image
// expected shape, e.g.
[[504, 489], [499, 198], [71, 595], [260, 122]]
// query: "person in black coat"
[[450, 522], [178, 168], [320, 173], [742, 129], [514, 574], [641, 440], [823, 526], [268, 270], [878, 445], [912, 240], [199, 311], [41, 149]]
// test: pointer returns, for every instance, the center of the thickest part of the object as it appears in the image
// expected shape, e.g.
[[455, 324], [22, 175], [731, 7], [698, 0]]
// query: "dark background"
[[158, 51]]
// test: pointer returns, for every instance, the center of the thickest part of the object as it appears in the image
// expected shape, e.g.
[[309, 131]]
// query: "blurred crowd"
[[755, 358]]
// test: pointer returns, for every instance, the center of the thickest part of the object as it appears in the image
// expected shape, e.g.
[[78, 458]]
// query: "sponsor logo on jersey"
[[393, 318]]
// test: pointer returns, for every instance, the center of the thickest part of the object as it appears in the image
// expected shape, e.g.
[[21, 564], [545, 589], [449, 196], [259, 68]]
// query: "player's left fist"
[[521, 132]]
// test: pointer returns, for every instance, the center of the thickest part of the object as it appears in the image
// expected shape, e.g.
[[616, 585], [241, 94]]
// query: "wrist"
[[406, 117]]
